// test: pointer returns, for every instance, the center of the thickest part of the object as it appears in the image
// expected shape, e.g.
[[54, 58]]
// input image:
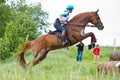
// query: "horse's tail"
[[26, 46]]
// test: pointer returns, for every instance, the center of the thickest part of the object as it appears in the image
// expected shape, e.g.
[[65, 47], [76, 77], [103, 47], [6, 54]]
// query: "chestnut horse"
[[43, 44]]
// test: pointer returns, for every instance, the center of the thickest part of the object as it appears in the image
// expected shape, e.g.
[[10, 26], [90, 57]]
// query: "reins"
[[80, 25], [90, 25]]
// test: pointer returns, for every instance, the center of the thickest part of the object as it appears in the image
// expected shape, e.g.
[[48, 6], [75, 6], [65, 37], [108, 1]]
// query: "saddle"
[[59, 34]]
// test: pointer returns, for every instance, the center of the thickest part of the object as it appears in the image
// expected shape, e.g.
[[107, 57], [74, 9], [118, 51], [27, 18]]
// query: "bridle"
[[92, 18], [98, 19], [81, 25]]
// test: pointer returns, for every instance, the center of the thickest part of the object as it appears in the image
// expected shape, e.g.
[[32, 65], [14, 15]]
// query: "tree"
[[5, 16], [40, 17], [36, 13], [2, 1], [17, 22]]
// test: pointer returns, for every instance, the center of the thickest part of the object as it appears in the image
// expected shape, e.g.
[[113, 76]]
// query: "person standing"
[[96, 52], [80, 48]]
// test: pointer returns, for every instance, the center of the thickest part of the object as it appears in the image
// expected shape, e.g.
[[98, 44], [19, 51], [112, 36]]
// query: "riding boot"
[[66, 40], [63, 37], [63, 41]]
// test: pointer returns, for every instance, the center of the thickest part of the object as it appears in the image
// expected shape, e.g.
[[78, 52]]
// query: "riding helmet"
[[70, 7], [65, 14]]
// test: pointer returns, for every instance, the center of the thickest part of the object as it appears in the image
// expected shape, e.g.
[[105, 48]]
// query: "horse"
[[47, 42]]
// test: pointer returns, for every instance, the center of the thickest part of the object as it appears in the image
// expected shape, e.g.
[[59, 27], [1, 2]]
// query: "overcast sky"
[[109, 12]]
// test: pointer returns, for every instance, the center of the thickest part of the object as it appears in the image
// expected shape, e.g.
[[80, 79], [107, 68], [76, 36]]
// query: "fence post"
[[114, 44]]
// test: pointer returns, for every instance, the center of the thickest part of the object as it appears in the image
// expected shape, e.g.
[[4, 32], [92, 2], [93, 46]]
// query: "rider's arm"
[[63, 20]]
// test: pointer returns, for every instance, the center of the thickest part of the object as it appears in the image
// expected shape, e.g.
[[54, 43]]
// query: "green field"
[[59, 65]]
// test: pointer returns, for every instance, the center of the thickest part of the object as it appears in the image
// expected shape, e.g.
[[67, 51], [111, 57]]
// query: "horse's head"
[[95, 19]]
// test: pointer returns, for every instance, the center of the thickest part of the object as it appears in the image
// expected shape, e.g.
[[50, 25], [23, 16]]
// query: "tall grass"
[[59, 65]]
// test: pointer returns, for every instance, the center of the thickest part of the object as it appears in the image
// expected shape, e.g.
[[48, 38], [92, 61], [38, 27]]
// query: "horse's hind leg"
[[40, 56]]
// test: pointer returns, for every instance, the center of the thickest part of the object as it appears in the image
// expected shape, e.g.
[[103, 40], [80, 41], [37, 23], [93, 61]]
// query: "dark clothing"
[[58, 26], [80, 46], [80, 51]]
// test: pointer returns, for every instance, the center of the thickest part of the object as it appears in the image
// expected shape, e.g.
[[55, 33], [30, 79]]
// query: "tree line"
[[17, 20]]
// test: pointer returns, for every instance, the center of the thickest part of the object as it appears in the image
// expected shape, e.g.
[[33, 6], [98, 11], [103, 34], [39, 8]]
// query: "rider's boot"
[[63, 41], [63, 38]]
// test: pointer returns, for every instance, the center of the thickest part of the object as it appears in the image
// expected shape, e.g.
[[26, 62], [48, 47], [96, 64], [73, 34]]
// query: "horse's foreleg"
[[90, 34], [40, 56], [93, 39]]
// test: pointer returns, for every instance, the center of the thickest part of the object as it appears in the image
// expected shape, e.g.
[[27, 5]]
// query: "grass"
[[59, 65]]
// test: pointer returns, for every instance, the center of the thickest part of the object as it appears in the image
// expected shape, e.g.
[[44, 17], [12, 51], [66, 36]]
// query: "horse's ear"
[[97, 11]]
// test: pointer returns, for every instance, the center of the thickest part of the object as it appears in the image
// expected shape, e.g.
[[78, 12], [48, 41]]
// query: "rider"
[[62, 20]]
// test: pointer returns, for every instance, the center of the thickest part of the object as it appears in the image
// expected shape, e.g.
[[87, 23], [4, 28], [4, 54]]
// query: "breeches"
[[58, 26]]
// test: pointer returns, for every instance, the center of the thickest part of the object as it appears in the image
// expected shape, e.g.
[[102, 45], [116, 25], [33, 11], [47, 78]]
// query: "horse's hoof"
[[91, 46]]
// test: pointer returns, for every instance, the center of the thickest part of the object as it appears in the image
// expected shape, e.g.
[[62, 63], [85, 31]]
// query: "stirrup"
[[63, 43]]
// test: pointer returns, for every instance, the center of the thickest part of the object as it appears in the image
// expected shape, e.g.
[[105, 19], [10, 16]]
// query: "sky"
[[109, 12]]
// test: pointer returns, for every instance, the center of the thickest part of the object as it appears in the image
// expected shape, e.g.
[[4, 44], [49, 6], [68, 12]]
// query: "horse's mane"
[[80, 16]]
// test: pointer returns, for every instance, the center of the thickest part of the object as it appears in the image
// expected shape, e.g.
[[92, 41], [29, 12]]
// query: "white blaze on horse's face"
[[97, 21]]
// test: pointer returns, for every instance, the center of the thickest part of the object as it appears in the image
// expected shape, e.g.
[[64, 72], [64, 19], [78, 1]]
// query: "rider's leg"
[[64, 40], [58, 26]]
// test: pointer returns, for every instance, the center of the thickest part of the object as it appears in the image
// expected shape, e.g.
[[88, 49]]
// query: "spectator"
[[96, 52], [80, 51]]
